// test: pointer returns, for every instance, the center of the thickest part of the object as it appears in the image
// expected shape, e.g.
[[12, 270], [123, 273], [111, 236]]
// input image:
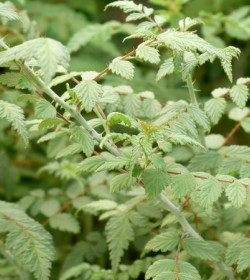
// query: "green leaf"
[[151, 107], [70, 150], [245, 124], [163, 242], [155, 180], [89, 165], [165, 265], [89, 93], [48, 52], [244, 260], [16, 80], [44, 109], [122, 181], [49, 123], [234, 250], [166, 68], [183, 185], [126, 6], [215, 108], [118, 118], [65, 222], [27, 240], [14, 114], [7, 11], [119, 233], [148, 53], [49, 207], [190, 61], [239, 94], [204, 250], [132, 104], [113, 163], [210, 191], [236, 193], [83, 138], [199, 116], [122, 67]]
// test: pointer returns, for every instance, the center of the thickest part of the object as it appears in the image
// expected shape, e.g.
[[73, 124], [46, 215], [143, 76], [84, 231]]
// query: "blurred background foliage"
[[226, 22]]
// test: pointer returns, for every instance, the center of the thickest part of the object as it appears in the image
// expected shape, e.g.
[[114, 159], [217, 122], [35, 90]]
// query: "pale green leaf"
[[204, 250], [126, 6], [132, 104], [16, 80], [236, 193], [199, 116], [7, 11], [122, 67], [122, 181], [44, 109], [210, 191], [163, 242], [148, 53], [65, 222], [239, 94], [183, 185], [238, 114], [50, 207], [166, 68], [69, 150], [155, 181], [244, 260], [89, 93], [215, 108], [15, 116], [83, 137]]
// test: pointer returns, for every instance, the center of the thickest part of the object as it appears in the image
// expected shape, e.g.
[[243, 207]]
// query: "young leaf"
[[199, 116], [236, 193], [148, 54], [44, 109], [14, 114], [7, 11], [83, 138], [126, 6], [65, 222], [113, 163], [69, 150], [132, 104], [204, 250], [89, 93], [122, 67], [239, 94], [16, 80], [244, 260], [155, 180], [119, 233], [49, 123], [122, 181], [89, 165]]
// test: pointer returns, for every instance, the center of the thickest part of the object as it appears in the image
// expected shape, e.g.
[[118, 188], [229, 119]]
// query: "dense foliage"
[[124, 162]]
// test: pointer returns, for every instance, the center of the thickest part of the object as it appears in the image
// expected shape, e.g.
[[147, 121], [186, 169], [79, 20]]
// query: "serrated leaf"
[[244, 260], [155, 180], [238, 114], [15, 116], [214, 141], [210, 191], [89, 93], [245, 124], [166, 265], [183, 185], [239, 94], [148, 54], [166, 68], [118, 118], [44, 109], [49, 123], [189, 61], [204, 250], [113, 163], [7, 11], [236, 193], [119, 233], [126, 6], [50, 207], [122, 67], [215, 108], [151, 107], [234, 250], [132, 104], [16, 80], [163, 242], [69, 150], [83, 138], [89, 165], [122, 181], [27, 240], [65, 222], [199, 116], [219, 92]]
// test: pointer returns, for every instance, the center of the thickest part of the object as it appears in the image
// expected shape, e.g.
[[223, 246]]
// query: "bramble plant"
[[142, 181]]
